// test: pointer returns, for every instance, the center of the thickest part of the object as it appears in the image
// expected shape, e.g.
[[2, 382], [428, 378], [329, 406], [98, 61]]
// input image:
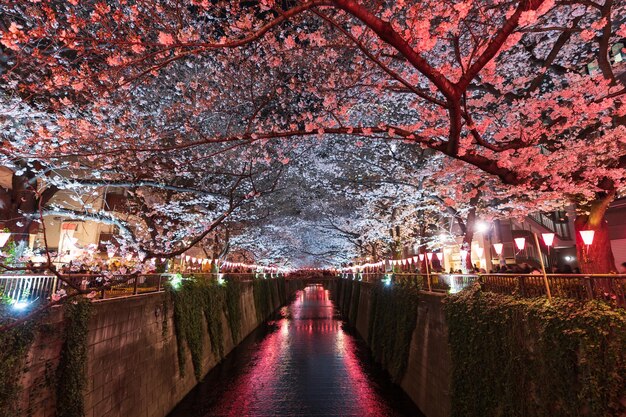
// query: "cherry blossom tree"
[[500, 85]]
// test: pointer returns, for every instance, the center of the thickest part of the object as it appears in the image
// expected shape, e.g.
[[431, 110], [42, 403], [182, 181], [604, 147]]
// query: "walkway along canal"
[[303, 363]]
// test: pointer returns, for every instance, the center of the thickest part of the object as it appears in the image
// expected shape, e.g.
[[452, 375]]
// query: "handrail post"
[[589, 286], [543, 269], [54, 285], [428, 275], [135, 286]]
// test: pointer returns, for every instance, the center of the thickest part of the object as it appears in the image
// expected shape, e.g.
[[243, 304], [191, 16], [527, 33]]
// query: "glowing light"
[[498, 247], [463, 254], [548, 238], [220, 279], [481, 227], [4, 237], [129, 257], [587, 236], [20, 305], [429, 255], [520, 242], [387, 280], [415, 258], [479, 252], [440, 256], [421, 256], [176, 280]]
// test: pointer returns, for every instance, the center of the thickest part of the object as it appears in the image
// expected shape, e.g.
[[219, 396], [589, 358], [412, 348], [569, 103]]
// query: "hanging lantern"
[[4, 237], [520, 242], [498, 247], [480, 252], [440, 256], [587, 236], [548, 238]]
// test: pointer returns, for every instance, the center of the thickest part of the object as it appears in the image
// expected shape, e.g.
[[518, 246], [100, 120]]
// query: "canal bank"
[[133, 351], [479, 354], [301, 363], [407, 333]]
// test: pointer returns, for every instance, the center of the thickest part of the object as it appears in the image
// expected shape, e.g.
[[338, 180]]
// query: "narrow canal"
[[304, 363]]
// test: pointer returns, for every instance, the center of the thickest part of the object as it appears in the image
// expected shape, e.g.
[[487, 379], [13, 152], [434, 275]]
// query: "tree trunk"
[[596, 258], [466, 264], [468, 237]]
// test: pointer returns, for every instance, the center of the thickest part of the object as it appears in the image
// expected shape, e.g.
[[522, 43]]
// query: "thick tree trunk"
[[18, 207], [596, 258], [468, 237]]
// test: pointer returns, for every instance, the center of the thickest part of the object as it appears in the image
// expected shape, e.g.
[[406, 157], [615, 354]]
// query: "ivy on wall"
[[393, 319], [263, 297], [354, 304], [523, 357], [71, 379], [233, 307], [195, 302], [14, 345], [391, 322]]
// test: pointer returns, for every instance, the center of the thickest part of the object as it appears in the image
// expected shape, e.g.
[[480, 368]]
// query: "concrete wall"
[[428, 375], [132, 368]]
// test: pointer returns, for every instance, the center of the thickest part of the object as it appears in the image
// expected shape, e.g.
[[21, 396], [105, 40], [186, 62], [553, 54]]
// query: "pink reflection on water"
[[307, 367]]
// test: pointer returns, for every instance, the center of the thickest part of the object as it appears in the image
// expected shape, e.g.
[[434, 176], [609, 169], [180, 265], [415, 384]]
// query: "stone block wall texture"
[[132, 367], [428, 375]]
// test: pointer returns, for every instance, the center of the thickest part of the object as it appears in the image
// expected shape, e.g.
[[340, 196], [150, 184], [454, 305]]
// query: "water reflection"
[[304, 364]]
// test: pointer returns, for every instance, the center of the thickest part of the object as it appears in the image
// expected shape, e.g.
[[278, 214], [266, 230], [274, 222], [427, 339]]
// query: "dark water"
[[302, 364]]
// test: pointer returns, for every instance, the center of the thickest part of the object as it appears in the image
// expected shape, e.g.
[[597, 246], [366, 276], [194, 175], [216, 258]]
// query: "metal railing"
[[607, 287], [27, 288], [31, 288]]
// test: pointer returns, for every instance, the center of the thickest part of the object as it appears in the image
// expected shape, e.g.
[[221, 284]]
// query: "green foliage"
[[196, 301], [71, 371], [14, 345], [523, 357], [11, 254], [354, 304], [233, 307], [391, 322], [166, 313], [263, 302]]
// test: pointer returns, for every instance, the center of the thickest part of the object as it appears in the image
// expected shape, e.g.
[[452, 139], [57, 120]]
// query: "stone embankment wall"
[[132, 356], [469, 353], [427, 372]]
